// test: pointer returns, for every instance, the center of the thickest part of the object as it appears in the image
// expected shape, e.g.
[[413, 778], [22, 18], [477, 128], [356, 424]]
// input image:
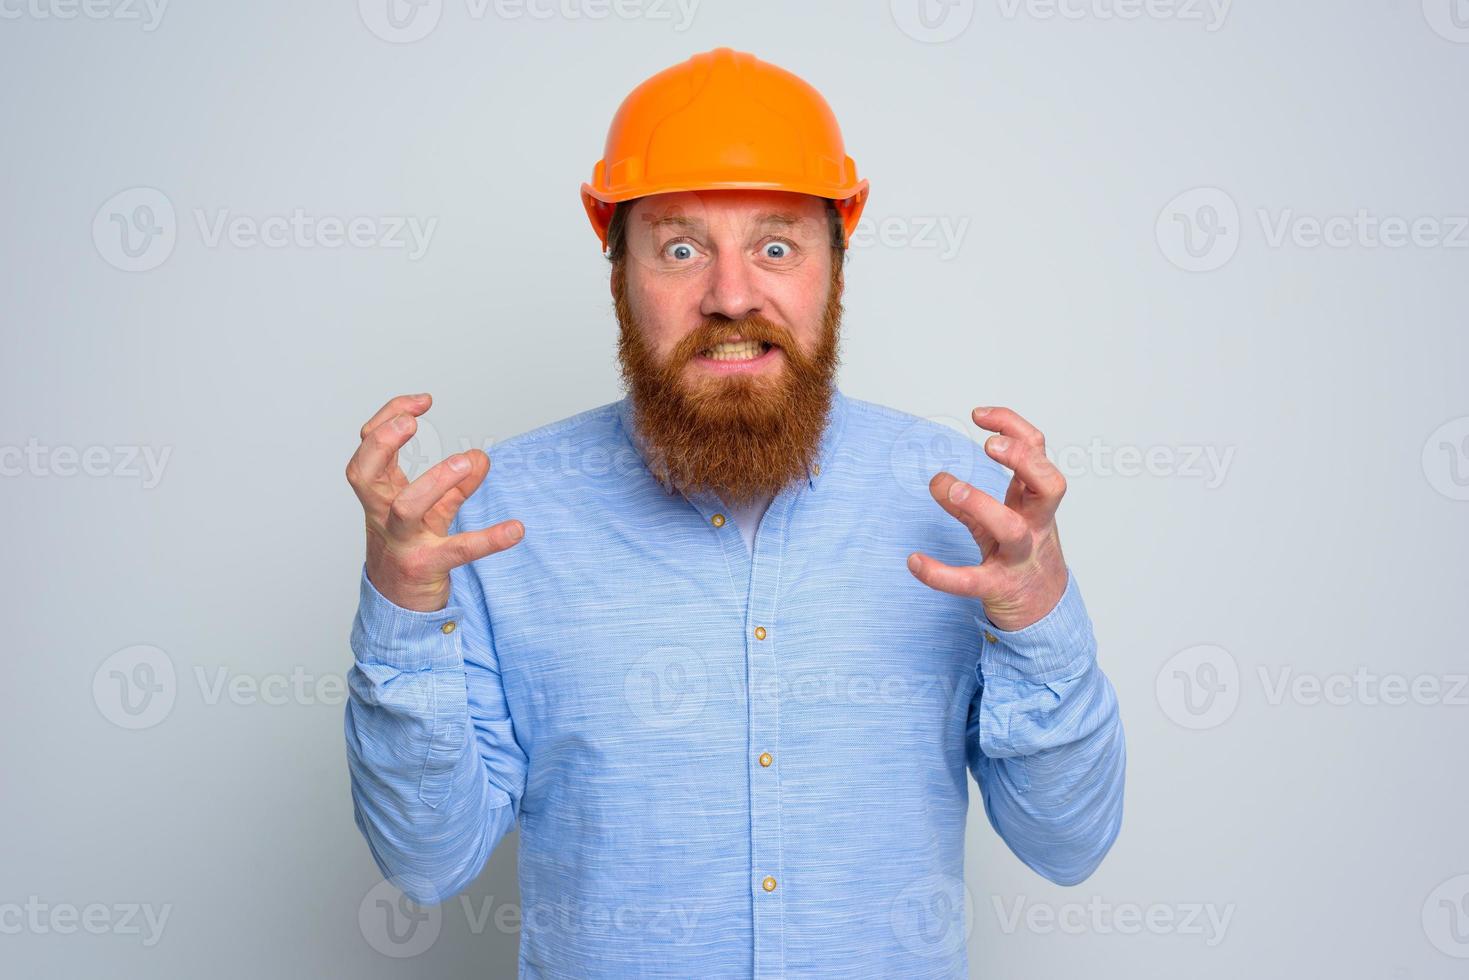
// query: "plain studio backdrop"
[[1219, 253]]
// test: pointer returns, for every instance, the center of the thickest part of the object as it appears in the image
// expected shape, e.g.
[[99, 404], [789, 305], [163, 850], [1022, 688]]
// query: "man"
[[709, 647]]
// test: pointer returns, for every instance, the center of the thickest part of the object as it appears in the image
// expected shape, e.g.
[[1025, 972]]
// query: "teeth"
[[743, 350]]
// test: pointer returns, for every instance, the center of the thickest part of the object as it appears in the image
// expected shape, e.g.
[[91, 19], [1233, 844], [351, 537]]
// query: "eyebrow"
[[781, 218]]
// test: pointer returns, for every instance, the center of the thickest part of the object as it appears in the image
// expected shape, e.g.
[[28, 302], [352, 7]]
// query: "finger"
[[371, 467], [995, 527], [406, 514], [1009, 422], [441, 514], [1037, 474], [965, 580], [468, 546], [939, 488], [401, 405]]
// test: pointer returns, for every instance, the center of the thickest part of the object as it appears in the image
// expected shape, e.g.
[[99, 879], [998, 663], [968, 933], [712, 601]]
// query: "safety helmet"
[[723, 119]]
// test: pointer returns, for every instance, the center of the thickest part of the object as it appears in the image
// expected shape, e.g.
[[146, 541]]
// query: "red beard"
[[741, 437]]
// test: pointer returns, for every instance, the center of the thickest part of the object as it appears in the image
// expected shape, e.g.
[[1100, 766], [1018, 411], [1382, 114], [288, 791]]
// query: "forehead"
[[737, 209]]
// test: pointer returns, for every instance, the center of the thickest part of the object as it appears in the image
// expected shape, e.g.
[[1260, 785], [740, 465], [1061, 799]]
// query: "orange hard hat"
[[723, 119]]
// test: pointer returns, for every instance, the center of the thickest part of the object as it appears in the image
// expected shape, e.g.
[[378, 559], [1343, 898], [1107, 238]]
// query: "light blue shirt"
[[727, 762]]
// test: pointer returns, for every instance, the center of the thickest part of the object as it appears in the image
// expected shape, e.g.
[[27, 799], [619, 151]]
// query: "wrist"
[[385, 572], [416, 597], [1030, 605]]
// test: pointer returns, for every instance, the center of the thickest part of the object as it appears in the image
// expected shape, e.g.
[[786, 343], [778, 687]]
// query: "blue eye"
[[682, 251], [776, 250]]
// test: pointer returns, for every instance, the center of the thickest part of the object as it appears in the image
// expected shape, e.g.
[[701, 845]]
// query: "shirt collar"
[[825, 452]]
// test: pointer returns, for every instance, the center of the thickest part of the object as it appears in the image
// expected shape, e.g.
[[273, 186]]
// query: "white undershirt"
[[747, 519]]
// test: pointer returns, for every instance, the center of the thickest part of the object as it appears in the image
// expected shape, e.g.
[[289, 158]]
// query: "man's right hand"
[[409, 548]]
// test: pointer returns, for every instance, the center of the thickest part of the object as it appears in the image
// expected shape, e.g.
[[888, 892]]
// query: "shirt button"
[[448, 627], [765, 759], [768, 884], [990, 636], [717, 520], [760, 632]]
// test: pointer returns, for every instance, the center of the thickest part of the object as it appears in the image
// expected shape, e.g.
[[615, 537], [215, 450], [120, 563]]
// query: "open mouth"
[[736, 350]]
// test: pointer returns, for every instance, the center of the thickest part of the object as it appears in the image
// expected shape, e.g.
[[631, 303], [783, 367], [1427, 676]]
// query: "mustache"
[[712, 332]]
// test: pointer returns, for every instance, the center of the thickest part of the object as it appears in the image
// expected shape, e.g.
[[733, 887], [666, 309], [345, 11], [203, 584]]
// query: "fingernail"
[[982, 410], [913, 563], [958, 491], [517, 531], [458, 463], [421, 395], [402, 423], [999, 444]]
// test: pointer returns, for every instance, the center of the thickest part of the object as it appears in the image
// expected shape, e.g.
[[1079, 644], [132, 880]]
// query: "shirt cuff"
[[386, 633], [1055, 647]]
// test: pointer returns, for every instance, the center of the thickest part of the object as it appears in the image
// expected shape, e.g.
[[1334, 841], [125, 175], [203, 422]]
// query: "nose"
[[732, 290]]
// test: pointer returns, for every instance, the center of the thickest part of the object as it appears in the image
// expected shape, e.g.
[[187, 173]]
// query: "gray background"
[[1329, 550]]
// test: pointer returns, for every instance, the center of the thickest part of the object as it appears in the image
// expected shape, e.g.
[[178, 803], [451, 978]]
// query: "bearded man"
[[726, 664]]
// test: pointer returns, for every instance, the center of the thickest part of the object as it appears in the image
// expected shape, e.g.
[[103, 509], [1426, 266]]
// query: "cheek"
[[664, 316], [803, 304]]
